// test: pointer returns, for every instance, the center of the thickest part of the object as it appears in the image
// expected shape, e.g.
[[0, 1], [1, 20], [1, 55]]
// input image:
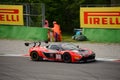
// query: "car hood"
[[83, 52]]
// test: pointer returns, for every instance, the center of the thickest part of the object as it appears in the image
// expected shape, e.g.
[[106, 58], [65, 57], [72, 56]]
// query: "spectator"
[[46, 25], [56, 32]]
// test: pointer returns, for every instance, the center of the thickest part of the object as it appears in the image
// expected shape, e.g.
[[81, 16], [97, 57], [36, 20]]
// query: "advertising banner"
[[11, 14], [100, 17]]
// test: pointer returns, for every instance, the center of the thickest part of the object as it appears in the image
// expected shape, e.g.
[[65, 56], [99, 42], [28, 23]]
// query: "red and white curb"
[[27, 55]]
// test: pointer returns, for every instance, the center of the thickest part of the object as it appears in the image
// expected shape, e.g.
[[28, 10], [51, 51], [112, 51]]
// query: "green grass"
[[66, 37]]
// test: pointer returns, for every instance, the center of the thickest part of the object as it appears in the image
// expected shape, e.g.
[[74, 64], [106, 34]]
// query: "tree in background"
[[65, 12]]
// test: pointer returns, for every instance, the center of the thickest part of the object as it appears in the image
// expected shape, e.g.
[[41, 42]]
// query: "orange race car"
[[66, 52]]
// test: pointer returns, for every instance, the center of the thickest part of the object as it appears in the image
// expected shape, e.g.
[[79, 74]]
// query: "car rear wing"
[[34, 43]]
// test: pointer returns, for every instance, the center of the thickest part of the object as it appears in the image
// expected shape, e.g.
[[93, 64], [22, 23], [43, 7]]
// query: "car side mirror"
[[57, 49], [47, 46], [77, 46]]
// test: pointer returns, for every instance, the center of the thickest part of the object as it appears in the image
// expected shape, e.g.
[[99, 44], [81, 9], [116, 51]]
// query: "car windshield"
[[69, 46]]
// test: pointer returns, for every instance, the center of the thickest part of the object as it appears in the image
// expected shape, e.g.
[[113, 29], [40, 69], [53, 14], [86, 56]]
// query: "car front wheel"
[[66, 57]]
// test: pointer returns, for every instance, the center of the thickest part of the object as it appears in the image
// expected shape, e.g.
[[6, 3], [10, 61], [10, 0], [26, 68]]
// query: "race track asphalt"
[[22, 68], [16, 67]]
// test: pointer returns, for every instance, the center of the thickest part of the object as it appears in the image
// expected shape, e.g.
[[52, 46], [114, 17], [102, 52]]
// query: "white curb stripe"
[[26, 55], [10, 55], [106, 59]]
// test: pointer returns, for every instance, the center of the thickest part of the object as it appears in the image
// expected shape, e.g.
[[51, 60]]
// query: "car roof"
[[59, 43]]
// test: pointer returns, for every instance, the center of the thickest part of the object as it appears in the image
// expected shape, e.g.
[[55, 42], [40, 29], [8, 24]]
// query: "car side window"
[[54, 47]]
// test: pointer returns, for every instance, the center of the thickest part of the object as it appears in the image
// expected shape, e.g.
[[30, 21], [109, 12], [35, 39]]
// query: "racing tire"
[[67, 58], [35, 57]]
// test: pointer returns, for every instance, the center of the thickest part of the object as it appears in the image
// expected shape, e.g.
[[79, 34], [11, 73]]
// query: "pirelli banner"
[[11, 14], [100, 17]]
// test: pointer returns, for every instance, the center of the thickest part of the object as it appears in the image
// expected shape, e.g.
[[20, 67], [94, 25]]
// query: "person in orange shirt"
[[56, 32]]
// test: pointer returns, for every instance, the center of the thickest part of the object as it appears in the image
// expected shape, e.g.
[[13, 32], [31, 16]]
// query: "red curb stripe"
[[117, 60], [26, 55]]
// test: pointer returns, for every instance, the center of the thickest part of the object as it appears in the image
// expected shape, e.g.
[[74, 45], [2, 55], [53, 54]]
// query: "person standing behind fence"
[[46, 25], [56, 32]]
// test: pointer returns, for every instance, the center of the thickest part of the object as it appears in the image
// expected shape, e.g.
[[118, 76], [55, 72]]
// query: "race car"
[[65, 52]]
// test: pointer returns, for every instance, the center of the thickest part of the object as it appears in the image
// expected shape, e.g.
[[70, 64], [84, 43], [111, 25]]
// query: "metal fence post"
[[27, 11]]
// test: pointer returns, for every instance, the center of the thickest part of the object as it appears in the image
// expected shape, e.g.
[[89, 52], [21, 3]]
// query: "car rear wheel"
[[66, 57], [35, 57]]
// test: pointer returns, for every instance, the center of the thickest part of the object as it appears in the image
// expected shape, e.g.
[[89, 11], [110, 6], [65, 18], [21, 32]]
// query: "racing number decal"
[[58, 56]]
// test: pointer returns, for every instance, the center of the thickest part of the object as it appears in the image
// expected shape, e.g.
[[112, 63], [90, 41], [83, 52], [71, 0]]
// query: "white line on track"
[[106, 59], [27, 55], [15, 55], [10, 55]]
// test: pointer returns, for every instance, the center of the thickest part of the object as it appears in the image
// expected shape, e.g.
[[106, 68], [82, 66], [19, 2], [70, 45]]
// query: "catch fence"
[[33, 13]]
